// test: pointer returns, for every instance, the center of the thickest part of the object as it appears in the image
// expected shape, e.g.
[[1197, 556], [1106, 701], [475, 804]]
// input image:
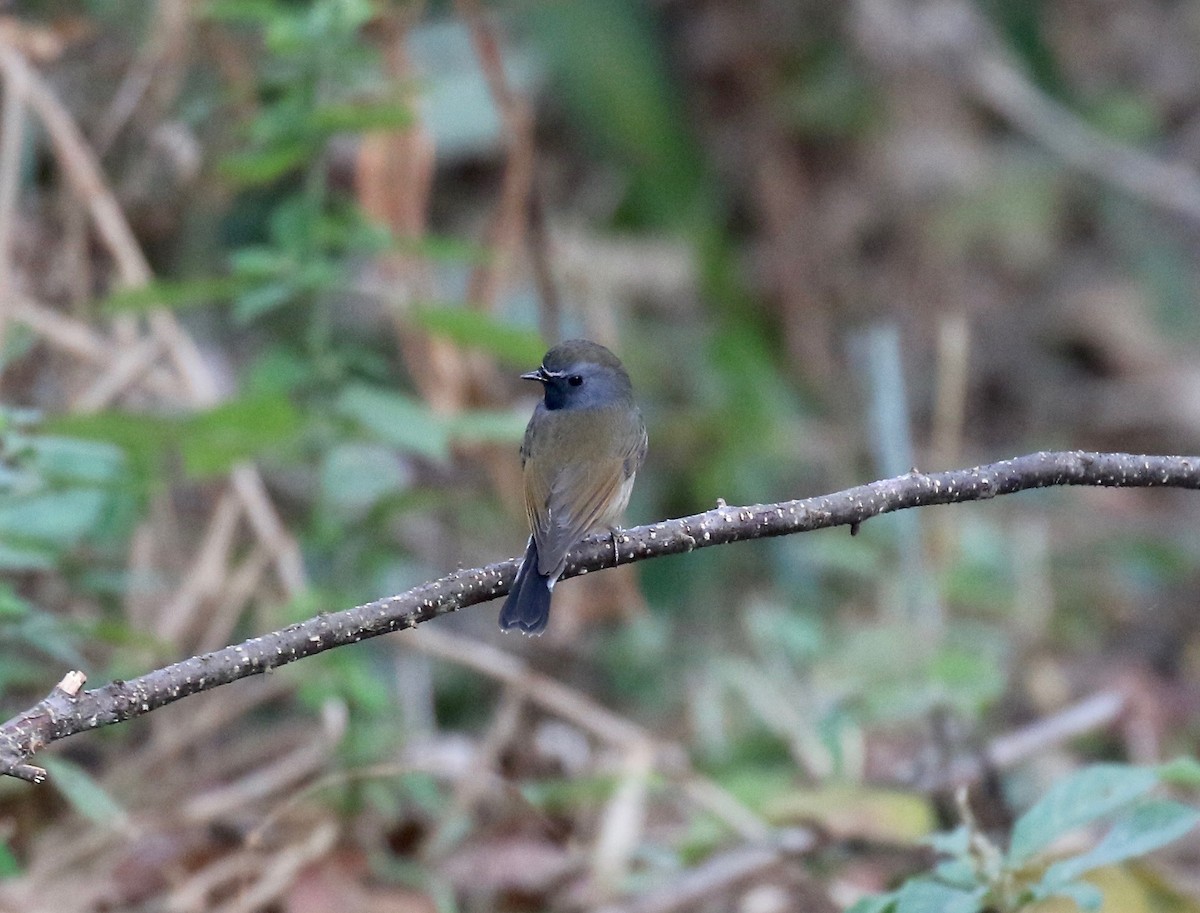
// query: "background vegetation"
[[268, 272]]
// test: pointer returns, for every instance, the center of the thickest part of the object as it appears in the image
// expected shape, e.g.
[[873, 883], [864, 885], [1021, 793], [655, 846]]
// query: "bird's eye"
[[575, 380]]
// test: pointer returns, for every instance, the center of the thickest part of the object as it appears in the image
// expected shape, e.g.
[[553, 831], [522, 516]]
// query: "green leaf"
[[318, 275], [1126, 116], [1150, 825], [442, 248], [173, 295], [260, 262], [262, 299], [20, 558], [1086, 896], [17, 343], [487, 426], [880, 903], [1182, 771], [56, 518], [237, 430], [12, 606], [920, 895], [258, 12], [278, 369], [950, 843], [84, 794], [9, 866], [355, 476], [28, 642], [958, 873], [829, 99], [1013, 216], [22, 667], [360, 118], [266, 165], [143, 438], [397, 419], [75, 460], [46, 635], [775, 629], [969, 678], [1026, 34], [475, 329], [1080, 799], [609, 59]]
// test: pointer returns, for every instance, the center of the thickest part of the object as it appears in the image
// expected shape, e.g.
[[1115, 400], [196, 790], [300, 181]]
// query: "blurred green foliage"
[[976, 875], [66, 506], [1022, 25], [773, 659], [612, 71]]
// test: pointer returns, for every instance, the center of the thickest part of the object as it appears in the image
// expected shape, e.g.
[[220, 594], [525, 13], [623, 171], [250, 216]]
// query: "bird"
[[582, 449]]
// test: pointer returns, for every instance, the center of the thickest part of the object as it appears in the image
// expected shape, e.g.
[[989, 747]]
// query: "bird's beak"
[[541, 375]]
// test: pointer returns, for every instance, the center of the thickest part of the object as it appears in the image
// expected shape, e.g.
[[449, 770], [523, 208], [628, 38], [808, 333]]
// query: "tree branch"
[[67, 710]]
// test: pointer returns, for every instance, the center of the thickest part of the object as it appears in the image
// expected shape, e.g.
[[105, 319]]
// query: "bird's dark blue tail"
[[527, 607]]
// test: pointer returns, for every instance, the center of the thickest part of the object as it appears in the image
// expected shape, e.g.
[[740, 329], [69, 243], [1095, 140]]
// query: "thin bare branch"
[[206, 575], [508, 224], [955, 35], [1095, 712], [722, 872], [598, 721], [83, 173], [281, 870], [1171, 186], [62, 714], [127, 368], [81, 341], [269, 528]]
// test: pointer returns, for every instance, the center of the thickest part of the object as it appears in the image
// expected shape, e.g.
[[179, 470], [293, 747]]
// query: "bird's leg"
[[615, 531]]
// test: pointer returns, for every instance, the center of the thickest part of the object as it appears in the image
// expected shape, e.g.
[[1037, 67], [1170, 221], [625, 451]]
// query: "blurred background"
[[268, 273]]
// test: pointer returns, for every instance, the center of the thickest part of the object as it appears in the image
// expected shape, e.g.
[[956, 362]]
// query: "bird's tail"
[[528, 604]]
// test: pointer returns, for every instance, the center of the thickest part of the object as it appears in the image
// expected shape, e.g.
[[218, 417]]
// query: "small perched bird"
[[583, 446]]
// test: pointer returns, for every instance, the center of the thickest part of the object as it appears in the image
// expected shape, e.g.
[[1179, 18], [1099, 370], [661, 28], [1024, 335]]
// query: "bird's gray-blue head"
[[580, 374]]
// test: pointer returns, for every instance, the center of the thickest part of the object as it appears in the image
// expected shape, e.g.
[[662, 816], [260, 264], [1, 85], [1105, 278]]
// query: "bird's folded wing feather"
[[578, 500]]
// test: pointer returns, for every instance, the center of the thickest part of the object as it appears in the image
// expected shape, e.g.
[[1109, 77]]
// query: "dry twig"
[[196, 383], [720, 873], [508, 222], [281, 869], [955, 35], [597, 721]]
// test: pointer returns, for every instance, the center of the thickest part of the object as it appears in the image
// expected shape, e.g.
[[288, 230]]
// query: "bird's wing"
[[637, 456], [577, 500]]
